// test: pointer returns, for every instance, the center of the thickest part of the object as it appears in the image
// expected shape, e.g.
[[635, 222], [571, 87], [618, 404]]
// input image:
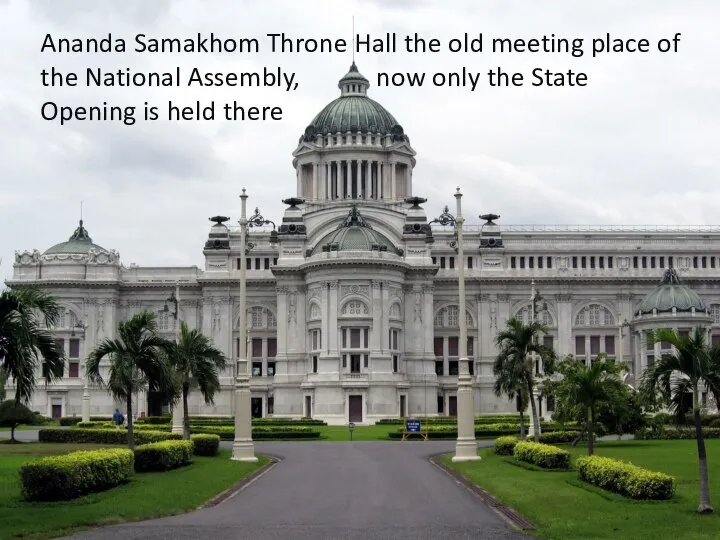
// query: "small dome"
[[669, 295], [79, 243], [354, 234], [353, 111]]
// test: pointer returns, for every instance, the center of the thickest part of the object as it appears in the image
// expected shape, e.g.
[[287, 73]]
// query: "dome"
[[669, 295], [353, 111], [79, 243], [354, 234]]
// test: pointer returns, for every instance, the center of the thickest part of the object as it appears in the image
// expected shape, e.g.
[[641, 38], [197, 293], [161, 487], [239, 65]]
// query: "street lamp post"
[[86, 383], [178, 419], [243, 448], [466, 445]]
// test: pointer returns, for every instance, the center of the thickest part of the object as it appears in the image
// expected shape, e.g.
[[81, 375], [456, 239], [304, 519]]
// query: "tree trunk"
[[704, 506], [590, 433], [12, 433], [131, 442], [522, 426], [186, 416], [533, 408]]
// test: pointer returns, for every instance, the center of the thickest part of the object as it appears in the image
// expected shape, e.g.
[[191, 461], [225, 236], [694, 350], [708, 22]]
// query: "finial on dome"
[[81, 233], [353, 83]]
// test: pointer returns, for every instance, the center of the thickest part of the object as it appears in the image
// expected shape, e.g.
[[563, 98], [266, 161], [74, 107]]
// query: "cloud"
[[636, 146]]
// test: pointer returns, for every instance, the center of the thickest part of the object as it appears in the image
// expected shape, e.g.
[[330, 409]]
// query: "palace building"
[[352, 296]]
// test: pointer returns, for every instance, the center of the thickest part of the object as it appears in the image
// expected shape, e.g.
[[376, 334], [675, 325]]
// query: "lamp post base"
[[244, 451], [465, 450], [178, 420], [86, 406]]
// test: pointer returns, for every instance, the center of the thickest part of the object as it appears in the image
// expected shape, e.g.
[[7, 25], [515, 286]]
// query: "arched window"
[[594, 315], [163, 320], [355, 307], [715, 313], [449, 317], [524, 314], [261, 317], [395, 311], [314, 311]]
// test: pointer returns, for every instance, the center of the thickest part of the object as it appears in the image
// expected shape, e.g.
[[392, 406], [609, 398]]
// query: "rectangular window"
[[704, 262], [453, 368], [60, 346], [438, 345], [271, 369], [644, 262], [583, 262], [549, 262], [439, 369], [440, 404], [272, 347], [540, 262], [451, 260], [610, 345], [74, 369], [650, 359], [712, 262], [453, 346], [471, 367], [257, 348], [684, 333], [248, 263], [649, 341], [344, 361], [652, 262], [315, 343], [74, 348], [470, 259], [354, 338], [271, 405], [257, 369], [274, 261], [366, 342], [662, 262], [522, 262], [470, 346], [580, 345], [442, 262], [257, 263], [531, 262], [394, 339], [550, 404], [548, 341], [695, 262], [592, 262], [513, 262], [354, 363], [434, 260], [594, 345], [314, 364], [267, 263], [635, 262], [716, 339], [610, 262], [670, 262], [601, 262], [395, 363], [238, 261]]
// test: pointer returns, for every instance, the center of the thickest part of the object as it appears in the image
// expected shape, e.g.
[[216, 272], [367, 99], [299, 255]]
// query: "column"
[[380, 327], [393, 182], [358, 184], [315, 182], [332, 310], [380, 178], [299, 180]]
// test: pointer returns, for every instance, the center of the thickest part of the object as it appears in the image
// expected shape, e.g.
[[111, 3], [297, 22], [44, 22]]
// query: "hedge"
[[72, 420], [504, 446], [163, 456], [59, 478], [556, 437], [102, 436], [625, 478], [230, 421], [542, 455], [673, 434], [205, 445]]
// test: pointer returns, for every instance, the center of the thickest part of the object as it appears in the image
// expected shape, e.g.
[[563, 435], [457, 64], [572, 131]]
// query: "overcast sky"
[[638, 145]]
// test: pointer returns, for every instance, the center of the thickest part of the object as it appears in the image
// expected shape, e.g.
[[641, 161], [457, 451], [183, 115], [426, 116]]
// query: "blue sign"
[[351, 426], [412, 426]]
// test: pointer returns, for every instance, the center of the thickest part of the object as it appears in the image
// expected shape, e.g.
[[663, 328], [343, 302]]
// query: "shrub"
[[12, 414], [504, 446], [542, 455], [715, 423], [58, 478], [167, 419], [556, 437], [205, 445], [625, 478], [163, 456], [102, 436], [94, 425], [70, 420]]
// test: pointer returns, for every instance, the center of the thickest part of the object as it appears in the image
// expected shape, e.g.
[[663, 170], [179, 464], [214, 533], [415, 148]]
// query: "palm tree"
[[509, 382], [587, 386], [196, 364], [26, 313], [137, 358], [514, 364], [692, 365]]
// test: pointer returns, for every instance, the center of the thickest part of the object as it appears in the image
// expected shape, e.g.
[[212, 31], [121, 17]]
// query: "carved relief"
[[216, 320], [418, 306], [355, 308], [362, 290], [100, 318], [292, 307]]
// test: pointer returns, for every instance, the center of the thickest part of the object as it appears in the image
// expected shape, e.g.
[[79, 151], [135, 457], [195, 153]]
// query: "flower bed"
[[59, 478], [542, 455], [625, 478], [163, 456]]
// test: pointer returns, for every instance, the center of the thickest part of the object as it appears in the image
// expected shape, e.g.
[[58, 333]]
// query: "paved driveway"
[[336, 491]]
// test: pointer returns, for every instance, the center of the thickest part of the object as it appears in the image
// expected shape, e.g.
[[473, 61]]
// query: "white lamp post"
[[86, 386], [243, 448]]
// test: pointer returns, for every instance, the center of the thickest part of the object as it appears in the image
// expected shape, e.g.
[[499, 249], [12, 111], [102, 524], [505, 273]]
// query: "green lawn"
[[360, 433], [147, 496], [562, 507]]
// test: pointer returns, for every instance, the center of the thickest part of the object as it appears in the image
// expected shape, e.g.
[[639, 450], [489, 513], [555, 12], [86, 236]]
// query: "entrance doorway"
[[308, 406], [256, 407], [355, 409], [452, 405], [155, 402], [403, 406], [56, 411]]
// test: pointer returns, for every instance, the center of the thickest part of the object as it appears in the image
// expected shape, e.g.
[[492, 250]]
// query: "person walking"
[[118, 418]]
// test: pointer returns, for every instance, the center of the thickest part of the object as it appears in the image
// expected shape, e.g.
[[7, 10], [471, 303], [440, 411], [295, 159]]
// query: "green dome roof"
[[354, 234], [353, 111], [669, 295], [79, 243]]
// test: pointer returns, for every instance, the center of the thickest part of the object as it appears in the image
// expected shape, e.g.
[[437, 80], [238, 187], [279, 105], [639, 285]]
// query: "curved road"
[[336, 491]]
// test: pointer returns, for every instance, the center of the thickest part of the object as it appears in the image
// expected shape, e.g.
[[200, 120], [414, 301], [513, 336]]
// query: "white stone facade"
[[343, 333]]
